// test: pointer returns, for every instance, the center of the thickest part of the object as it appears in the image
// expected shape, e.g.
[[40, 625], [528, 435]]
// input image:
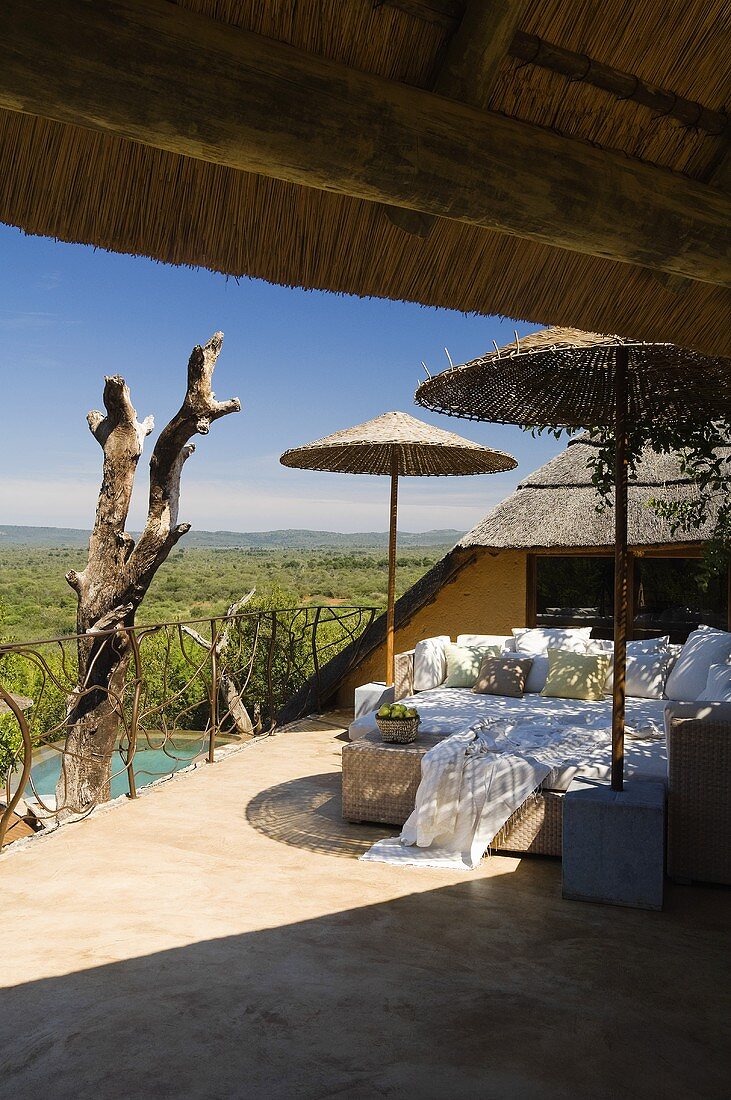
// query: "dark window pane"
[[672, 598], [576, 591]]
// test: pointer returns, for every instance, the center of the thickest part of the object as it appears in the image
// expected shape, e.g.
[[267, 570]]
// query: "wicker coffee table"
[[380, 781]]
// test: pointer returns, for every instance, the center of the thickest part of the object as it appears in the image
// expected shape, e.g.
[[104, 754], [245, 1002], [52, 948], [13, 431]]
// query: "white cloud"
[[49, 280], [309, 501]]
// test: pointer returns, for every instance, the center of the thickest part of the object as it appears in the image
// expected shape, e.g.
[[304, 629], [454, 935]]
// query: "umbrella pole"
[[391, 568], [620, 568]]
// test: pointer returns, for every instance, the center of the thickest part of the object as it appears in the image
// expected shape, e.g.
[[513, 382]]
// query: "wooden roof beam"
[[579, 68], [152, 72], [720, 178], [468, 73]]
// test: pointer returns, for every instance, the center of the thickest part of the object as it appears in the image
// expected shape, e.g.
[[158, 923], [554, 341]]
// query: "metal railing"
[[175, 691]]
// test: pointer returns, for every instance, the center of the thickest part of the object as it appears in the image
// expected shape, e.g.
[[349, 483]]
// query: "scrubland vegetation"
[[196, 583]]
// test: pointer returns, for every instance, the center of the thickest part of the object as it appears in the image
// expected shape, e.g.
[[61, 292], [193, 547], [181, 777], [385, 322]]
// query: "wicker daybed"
[[380, 782]]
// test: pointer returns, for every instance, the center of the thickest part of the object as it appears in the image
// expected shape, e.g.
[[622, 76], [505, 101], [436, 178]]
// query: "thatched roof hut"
[[562, 161], [556, 506], [483, 583]]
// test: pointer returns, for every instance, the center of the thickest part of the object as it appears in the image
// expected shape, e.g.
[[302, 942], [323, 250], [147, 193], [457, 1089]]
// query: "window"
[[669, 595], [573, 590]]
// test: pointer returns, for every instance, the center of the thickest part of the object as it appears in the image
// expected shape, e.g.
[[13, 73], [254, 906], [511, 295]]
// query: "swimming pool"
[[150, 763]]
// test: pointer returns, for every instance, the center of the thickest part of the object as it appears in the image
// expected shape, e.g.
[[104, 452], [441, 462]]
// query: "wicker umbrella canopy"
[[419, 449], [567, 378], [571, 379], [401, 446]]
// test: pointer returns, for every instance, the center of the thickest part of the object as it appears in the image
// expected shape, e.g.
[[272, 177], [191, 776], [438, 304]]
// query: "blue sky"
[[303, 363]]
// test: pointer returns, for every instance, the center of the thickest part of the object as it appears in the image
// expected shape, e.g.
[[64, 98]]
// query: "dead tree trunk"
[[232, 694], [118, 572]]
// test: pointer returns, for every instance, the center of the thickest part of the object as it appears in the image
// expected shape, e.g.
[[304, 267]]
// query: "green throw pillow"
[[576, 675], [463, 663]]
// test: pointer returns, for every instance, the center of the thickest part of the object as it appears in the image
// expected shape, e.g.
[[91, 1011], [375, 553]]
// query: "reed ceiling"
[[77, 184]]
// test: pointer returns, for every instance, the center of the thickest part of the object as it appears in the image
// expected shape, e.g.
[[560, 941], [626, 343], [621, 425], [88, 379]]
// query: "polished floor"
[[219, 938]]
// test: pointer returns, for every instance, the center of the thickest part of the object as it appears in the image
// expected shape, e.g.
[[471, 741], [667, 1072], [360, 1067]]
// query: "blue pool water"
[[149, 764]]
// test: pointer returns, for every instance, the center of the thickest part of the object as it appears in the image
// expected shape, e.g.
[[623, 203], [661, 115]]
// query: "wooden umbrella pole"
[[392, 567], [620, 567]]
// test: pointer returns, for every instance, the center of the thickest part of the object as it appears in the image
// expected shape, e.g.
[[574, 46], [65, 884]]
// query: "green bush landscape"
[[199, 581]]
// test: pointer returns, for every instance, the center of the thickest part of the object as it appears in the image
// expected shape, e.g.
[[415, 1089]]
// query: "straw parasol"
[[570, 379], [401, 446]]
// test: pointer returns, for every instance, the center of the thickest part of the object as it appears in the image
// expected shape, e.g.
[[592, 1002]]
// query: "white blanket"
[[474, 780]]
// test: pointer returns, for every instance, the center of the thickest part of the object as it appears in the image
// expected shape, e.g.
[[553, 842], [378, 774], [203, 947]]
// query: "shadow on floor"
[[492, 988], [307, 813]]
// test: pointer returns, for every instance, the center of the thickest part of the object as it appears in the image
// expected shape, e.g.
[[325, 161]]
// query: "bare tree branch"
[[198, 411], [232, 694], [121, 437]]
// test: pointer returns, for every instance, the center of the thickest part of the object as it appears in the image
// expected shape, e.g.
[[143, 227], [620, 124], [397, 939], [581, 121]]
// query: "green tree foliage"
[[199, 583], [175, 670]]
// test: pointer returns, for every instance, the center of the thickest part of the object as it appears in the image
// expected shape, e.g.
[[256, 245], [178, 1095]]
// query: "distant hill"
[[72, 537]]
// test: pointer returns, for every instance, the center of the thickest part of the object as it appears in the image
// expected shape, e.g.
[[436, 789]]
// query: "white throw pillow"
[[430, 663], [537, 676], [648, 645], [506, 641], [634, 648], [535, 641], [718, 685], [646, 675], [689, 676]]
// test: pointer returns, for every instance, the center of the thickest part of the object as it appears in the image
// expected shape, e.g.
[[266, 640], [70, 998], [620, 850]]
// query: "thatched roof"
[[420, 450], [77, 183], [556, 506]]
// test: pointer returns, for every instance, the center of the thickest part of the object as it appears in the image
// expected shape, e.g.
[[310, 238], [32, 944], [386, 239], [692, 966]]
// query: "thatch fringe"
[[78, 185]]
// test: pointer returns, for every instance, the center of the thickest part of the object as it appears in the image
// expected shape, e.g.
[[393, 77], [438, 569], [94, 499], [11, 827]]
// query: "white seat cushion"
[[449, 710], [430, 662], [689, 676]]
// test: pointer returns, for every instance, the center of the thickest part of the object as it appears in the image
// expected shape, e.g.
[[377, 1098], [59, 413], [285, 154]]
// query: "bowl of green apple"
[[398, 722]]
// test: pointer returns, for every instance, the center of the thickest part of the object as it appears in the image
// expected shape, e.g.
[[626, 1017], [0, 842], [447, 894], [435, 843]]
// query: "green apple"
[[385, 711]]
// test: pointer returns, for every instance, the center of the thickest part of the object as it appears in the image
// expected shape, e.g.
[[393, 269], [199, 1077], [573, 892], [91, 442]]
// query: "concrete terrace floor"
[[218, 938]]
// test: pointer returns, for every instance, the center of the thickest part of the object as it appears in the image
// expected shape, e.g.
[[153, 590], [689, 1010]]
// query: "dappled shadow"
[[307, 813], [448, 710], [491, 988]]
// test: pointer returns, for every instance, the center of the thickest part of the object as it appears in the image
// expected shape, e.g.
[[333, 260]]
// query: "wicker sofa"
[[380, 783], [699, 800]]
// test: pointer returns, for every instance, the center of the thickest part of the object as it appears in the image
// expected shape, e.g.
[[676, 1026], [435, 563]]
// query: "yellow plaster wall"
[[487, 596]]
